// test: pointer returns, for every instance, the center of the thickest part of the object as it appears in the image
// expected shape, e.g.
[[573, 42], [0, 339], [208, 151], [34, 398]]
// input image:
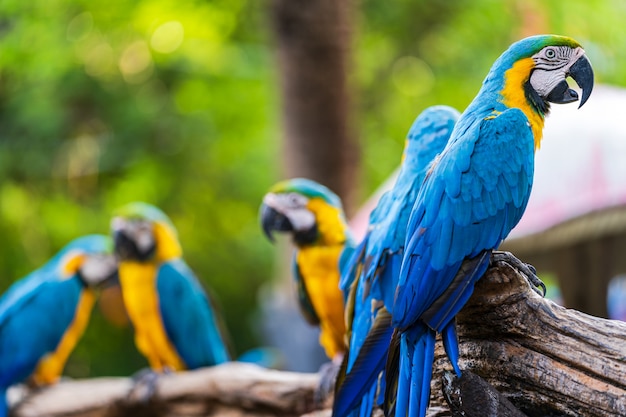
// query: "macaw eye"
[[550, 53], [294, 200]]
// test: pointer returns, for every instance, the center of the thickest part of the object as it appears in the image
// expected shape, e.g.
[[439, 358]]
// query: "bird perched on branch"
[[375, 264], [175, 323], [473, 195], [43, 315], [314, 217]]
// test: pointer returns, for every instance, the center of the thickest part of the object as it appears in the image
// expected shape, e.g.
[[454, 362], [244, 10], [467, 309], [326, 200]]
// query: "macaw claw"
[[145, 383], [528, 270]]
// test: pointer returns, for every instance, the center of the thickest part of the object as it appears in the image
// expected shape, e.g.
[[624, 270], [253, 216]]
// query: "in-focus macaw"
[[175, 324], [376, 260], [43, 315], [314, 216], [473, 195]]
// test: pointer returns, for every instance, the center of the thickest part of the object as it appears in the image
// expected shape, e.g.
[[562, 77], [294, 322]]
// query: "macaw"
[[43, 315], [473, 195], [175, 324], [375, 263], [314, 216]]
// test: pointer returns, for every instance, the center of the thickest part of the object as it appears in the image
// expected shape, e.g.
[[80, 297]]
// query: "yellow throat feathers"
[[330, 222], [513, 95]]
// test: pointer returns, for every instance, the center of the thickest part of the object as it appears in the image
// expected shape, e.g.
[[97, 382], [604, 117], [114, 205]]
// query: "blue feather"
[[189, 317], [376, 268]]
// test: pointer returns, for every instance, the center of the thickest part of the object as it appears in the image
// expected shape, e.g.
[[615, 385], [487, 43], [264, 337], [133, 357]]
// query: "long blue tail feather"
[[368, 365], [4, 406], [451, 345]]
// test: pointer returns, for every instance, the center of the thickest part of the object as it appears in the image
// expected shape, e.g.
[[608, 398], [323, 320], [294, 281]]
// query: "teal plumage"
[[377, 259], [474, 195], [188, 316], [44, 302]]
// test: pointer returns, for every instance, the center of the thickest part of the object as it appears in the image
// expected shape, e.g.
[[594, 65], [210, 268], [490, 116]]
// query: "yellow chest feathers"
[[513, 95]]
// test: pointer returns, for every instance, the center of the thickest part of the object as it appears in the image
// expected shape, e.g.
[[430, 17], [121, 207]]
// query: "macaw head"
[[91, 259], [308, 210], [538, 66], [429, 134], [143, 233]]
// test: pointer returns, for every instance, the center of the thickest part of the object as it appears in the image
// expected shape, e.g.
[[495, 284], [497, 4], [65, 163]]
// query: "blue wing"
[[188, 316], [475, 194], [375, 266], [36, 312]]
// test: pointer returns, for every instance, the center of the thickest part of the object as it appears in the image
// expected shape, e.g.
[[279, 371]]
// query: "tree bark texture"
[[232, 389], [543, 359], [546, 359], [313, 38]]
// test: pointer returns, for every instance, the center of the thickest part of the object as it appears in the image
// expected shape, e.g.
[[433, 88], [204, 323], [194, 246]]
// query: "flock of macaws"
[[463, 185], [43, 315]]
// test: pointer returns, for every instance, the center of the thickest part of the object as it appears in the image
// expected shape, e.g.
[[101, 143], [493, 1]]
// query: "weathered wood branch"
[[545, 359], [232, 389]]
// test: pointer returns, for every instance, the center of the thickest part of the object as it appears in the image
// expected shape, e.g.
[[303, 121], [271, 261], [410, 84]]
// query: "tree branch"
[[545, 359], [233, 389]]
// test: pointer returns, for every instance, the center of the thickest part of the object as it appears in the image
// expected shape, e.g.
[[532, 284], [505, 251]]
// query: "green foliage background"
[[176, 103]]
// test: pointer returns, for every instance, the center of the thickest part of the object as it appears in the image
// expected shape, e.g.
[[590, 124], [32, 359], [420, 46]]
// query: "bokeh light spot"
[[79, 27], [412, 76], [136, 62], [167, 37]]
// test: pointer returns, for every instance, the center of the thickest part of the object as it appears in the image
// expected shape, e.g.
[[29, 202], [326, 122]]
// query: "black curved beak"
[[272, 220], [582, 73]]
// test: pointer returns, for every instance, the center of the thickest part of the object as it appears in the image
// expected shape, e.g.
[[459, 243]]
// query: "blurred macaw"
[[473, 195], [175, 324], [314, 216], [43, 315], [375, 264]]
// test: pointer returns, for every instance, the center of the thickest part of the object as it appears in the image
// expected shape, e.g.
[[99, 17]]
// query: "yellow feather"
[[320, 266], [330, 222], [513, 95], [51, 366], [138, 282]]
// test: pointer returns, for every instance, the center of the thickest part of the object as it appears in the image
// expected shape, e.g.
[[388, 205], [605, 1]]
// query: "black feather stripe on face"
[[539, 105]]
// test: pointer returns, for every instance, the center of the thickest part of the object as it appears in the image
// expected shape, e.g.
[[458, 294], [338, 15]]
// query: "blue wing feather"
[[465, 208], [376, 264], [188, 316], [46, 311]]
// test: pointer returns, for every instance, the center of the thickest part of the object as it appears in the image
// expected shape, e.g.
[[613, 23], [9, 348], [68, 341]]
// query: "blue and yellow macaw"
[[472, 197], [43, 315], [175, 324], [314, 216], [376, 261]]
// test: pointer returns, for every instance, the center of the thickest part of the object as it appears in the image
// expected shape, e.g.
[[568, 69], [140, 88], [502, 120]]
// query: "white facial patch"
[[552, 64], [97, 267], [294, 207]]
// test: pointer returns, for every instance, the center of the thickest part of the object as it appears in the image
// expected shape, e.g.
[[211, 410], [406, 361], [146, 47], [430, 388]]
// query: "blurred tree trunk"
[[313, 39]]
